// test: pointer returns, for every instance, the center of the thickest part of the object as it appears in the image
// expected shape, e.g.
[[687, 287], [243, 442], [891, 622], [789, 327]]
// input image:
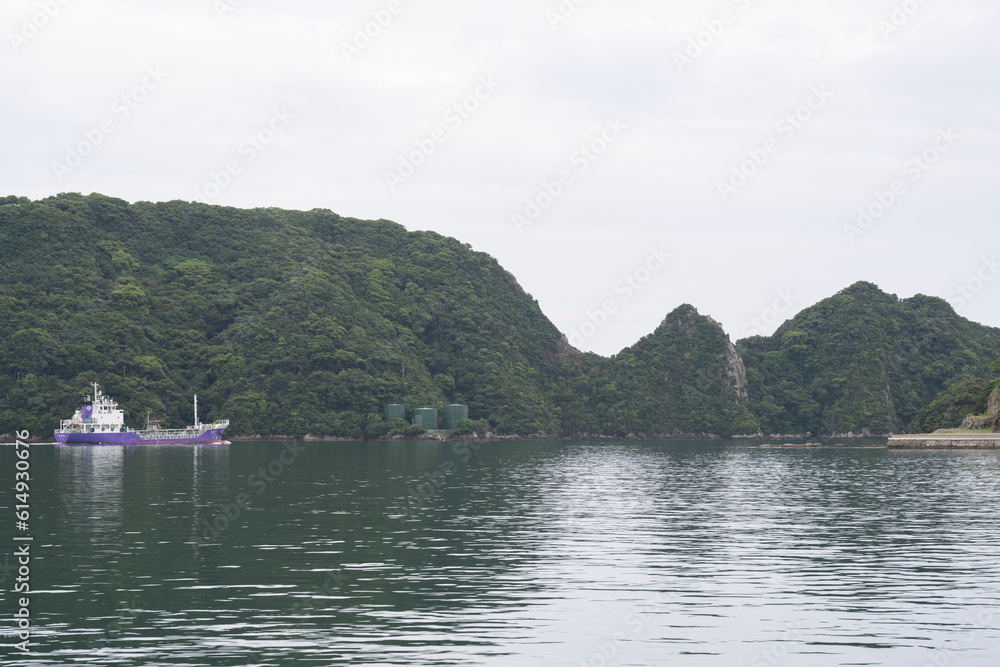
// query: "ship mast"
[[196, 410]]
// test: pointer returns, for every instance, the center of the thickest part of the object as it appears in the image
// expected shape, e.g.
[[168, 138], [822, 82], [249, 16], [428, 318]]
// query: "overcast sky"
[[619, 158]]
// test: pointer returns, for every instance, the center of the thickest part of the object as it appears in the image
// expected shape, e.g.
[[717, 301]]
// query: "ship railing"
[[73, 427], [170, 433], [177, 433], [88, 427]]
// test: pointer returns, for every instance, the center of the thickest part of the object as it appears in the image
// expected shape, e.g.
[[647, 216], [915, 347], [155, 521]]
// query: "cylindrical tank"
[[394, 410], [453, 414], [426, 417]]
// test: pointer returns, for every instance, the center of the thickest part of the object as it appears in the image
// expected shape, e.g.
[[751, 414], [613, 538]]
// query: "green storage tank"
[[453, 414], [426, 417], [394, 410]]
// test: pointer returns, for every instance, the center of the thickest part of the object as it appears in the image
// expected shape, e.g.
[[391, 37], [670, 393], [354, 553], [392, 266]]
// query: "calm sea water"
[[528, 553]]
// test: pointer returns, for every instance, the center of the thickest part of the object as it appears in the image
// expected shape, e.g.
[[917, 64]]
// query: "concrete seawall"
[[946, 441]]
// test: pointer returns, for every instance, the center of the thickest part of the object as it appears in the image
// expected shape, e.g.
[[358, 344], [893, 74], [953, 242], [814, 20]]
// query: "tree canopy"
[[306, 322], [862, 359]]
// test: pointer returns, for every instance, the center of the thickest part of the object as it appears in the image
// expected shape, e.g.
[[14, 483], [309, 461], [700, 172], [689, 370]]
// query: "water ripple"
[[545, 553]]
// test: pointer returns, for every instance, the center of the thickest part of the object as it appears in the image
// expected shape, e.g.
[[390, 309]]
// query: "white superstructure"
[[101, 416]]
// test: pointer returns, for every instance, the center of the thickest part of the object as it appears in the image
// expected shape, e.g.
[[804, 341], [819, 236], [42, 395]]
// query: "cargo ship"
[[101, 422]]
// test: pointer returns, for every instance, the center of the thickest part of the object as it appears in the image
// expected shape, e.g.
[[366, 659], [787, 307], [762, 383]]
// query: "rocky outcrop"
[[978, 423], [735, 369], [564, 351], [991, 420]]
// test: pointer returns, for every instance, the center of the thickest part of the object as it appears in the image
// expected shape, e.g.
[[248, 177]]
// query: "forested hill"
[[296, 323], [862, 359]]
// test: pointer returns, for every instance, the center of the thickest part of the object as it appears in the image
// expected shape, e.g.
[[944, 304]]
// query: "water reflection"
[[547, 553]]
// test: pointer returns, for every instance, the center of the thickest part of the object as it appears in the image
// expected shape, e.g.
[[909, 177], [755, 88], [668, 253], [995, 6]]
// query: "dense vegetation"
[[973, 397], [295, 323], [863, 359], [290, 322], [951, 406]]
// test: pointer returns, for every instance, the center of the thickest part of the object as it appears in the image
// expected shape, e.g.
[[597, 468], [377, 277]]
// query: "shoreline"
[[984, 440], [492, 437], [798, 438]]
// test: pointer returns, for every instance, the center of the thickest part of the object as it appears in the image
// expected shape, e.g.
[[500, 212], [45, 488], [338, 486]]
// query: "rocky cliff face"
[[978, 423], [992, 417], [993, 408], [737, 371], [734, 365]]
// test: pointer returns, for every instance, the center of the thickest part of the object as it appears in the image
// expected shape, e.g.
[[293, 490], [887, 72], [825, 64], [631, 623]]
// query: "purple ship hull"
[[102, 422], [212, 436]]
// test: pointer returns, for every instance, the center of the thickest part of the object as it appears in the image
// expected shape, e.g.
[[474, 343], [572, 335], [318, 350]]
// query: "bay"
[[513, 553]]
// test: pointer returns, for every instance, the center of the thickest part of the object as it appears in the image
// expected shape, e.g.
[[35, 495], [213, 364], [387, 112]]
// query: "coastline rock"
[[993, 407], [976, 423]]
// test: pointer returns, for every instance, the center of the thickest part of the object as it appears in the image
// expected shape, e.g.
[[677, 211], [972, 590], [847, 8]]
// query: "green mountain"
[[291, 322], [685, 376], [306, 322], [862, 359]]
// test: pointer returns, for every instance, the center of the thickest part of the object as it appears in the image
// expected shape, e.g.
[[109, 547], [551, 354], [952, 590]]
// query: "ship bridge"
[[102, 415]]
